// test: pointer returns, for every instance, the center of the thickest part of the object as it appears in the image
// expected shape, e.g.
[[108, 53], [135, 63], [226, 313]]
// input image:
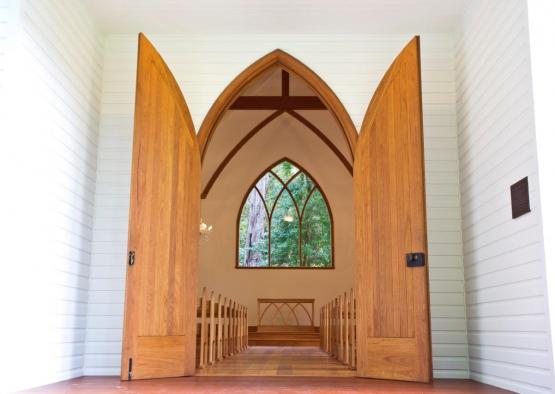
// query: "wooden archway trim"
[[236, 149], [259, 127], [323, 137], [276, 57]]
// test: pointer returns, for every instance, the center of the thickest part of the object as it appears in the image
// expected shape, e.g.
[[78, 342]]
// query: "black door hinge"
[[416, 260], [131, 257], [130, 369]]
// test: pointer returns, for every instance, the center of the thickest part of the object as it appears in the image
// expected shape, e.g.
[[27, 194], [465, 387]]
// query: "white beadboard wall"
[[203, 65], [54, 145], [4, 22], [508, 327], [9, 12]]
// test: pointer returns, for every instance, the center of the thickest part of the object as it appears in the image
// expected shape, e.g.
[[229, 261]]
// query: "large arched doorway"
[[282, 60], [275, 115], [392, 307]]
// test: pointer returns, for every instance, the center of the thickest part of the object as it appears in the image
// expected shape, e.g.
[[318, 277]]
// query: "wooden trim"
[[324, 138], [277, 103], [278, 304], [236, 149], [266, 121], [423, 207], [284, 83], [253, 186], [283, 59], [291, 300]]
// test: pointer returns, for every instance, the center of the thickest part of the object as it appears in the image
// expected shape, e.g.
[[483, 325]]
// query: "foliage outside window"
[[285, 222]]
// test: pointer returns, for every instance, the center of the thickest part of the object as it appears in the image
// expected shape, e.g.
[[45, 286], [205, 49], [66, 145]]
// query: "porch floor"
[[262, 384], [267, 369]]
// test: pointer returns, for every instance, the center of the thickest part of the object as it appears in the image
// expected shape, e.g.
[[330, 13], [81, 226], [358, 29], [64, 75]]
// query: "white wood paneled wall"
[[8, 22], [55, 84], [203, 65], [508, 330], [4, 22]]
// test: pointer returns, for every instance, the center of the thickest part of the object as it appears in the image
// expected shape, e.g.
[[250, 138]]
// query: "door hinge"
[[416, 259], [131, 257], [130, 369]]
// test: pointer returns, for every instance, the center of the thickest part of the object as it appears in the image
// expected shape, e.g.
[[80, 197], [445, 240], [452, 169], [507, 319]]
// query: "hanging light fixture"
[[205, 230], [288, 217]]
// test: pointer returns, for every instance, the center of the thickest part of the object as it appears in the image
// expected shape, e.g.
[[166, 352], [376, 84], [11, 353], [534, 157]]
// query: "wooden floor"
[[262, 384], [279, 361], [287, 370]]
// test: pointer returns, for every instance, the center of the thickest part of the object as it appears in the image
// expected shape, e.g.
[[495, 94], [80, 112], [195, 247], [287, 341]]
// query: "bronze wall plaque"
[[520, 198]]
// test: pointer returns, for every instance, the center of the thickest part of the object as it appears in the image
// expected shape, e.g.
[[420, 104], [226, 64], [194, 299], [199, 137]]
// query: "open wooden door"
[[164, 216], [393, 324]]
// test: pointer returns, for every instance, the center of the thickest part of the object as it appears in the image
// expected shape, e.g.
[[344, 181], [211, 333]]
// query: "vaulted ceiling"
[[277, 16], [238, 128]]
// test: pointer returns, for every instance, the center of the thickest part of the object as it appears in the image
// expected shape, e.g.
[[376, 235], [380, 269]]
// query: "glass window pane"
[[284, 239], [316, 233], [253, 233], [300, 188], [285, 170], [269, 187]]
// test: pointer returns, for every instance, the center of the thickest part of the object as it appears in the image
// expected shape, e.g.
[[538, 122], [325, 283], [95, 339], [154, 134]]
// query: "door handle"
[[417, 259]]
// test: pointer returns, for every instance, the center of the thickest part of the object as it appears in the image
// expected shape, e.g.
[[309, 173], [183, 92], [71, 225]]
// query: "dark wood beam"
[[284, 83], [278, 103], [259, 127], [236, 149], [324, 139]]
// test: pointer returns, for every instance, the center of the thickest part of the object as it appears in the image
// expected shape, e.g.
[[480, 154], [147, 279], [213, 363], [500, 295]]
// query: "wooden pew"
[[338, 328], [222, 328]]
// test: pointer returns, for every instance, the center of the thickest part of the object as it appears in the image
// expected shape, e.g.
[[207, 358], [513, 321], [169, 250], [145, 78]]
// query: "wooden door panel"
[[160, 356], [393, 332], [164, 217]]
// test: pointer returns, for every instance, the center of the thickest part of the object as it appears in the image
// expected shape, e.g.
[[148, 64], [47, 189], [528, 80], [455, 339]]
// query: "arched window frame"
[[299, 213]]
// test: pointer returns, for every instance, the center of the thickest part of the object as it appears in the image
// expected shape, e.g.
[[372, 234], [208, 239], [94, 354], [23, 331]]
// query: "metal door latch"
[[415, 259]]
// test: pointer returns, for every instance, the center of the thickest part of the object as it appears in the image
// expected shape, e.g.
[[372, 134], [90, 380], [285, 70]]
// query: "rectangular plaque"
[[520, 198]]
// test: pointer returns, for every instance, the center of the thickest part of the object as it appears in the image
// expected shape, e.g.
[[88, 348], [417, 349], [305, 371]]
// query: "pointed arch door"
[[393, 324], [164, 216]]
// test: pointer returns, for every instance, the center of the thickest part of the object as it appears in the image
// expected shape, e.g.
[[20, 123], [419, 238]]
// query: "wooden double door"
[[393, 329]]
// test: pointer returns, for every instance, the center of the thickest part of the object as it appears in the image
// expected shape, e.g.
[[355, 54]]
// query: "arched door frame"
[[283, 59]]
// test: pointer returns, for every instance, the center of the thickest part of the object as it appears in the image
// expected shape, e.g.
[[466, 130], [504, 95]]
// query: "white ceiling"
[[277, 16]]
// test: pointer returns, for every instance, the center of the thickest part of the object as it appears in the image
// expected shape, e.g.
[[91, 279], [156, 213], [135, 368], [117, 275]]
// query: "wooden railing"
[[338, 328], [222, 328], [285, 308]]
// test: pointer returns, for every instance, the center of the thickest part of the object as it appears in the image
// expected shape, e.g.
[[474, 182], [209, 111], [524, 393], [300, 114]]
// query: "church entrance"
[[311, 254]]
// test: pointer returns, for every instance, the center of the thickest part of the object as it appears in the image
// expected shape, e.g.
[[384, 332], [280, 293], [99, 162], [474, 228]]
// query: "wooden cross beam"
[[285, 102], [284, 83]]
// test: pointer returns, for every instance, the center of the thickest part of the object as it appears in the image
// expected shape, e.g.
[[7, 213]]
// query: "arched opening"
[[260, 124], [285, 207], [279, 111], [276, 58]]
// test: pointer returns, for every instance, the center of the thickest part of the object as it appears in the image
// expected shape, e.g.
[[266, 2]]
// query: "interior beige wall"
[[284, 137]]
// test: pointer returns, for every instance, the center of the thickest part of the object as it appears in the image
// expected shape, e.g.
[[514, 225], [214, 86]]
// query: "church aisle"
[[279, 361]]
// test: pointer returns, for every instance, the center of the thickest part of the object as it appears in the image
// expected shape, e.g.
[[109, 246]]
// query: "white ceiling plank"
[[277, 16]]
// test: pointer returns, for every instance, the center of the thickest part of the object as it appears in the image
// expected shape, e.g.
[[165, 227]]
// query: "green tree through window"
[[285, 222]]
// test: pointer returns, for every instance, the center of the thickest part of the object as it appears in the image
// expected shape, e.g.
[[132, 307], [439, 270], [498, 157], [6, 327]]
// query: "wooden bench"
[[285, 322], [338, 328], [222, 328]]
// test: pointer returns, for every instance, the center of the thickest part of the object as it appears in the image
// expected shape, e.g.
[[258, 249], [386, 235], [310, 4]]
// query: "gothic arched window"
[[285, 222]]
